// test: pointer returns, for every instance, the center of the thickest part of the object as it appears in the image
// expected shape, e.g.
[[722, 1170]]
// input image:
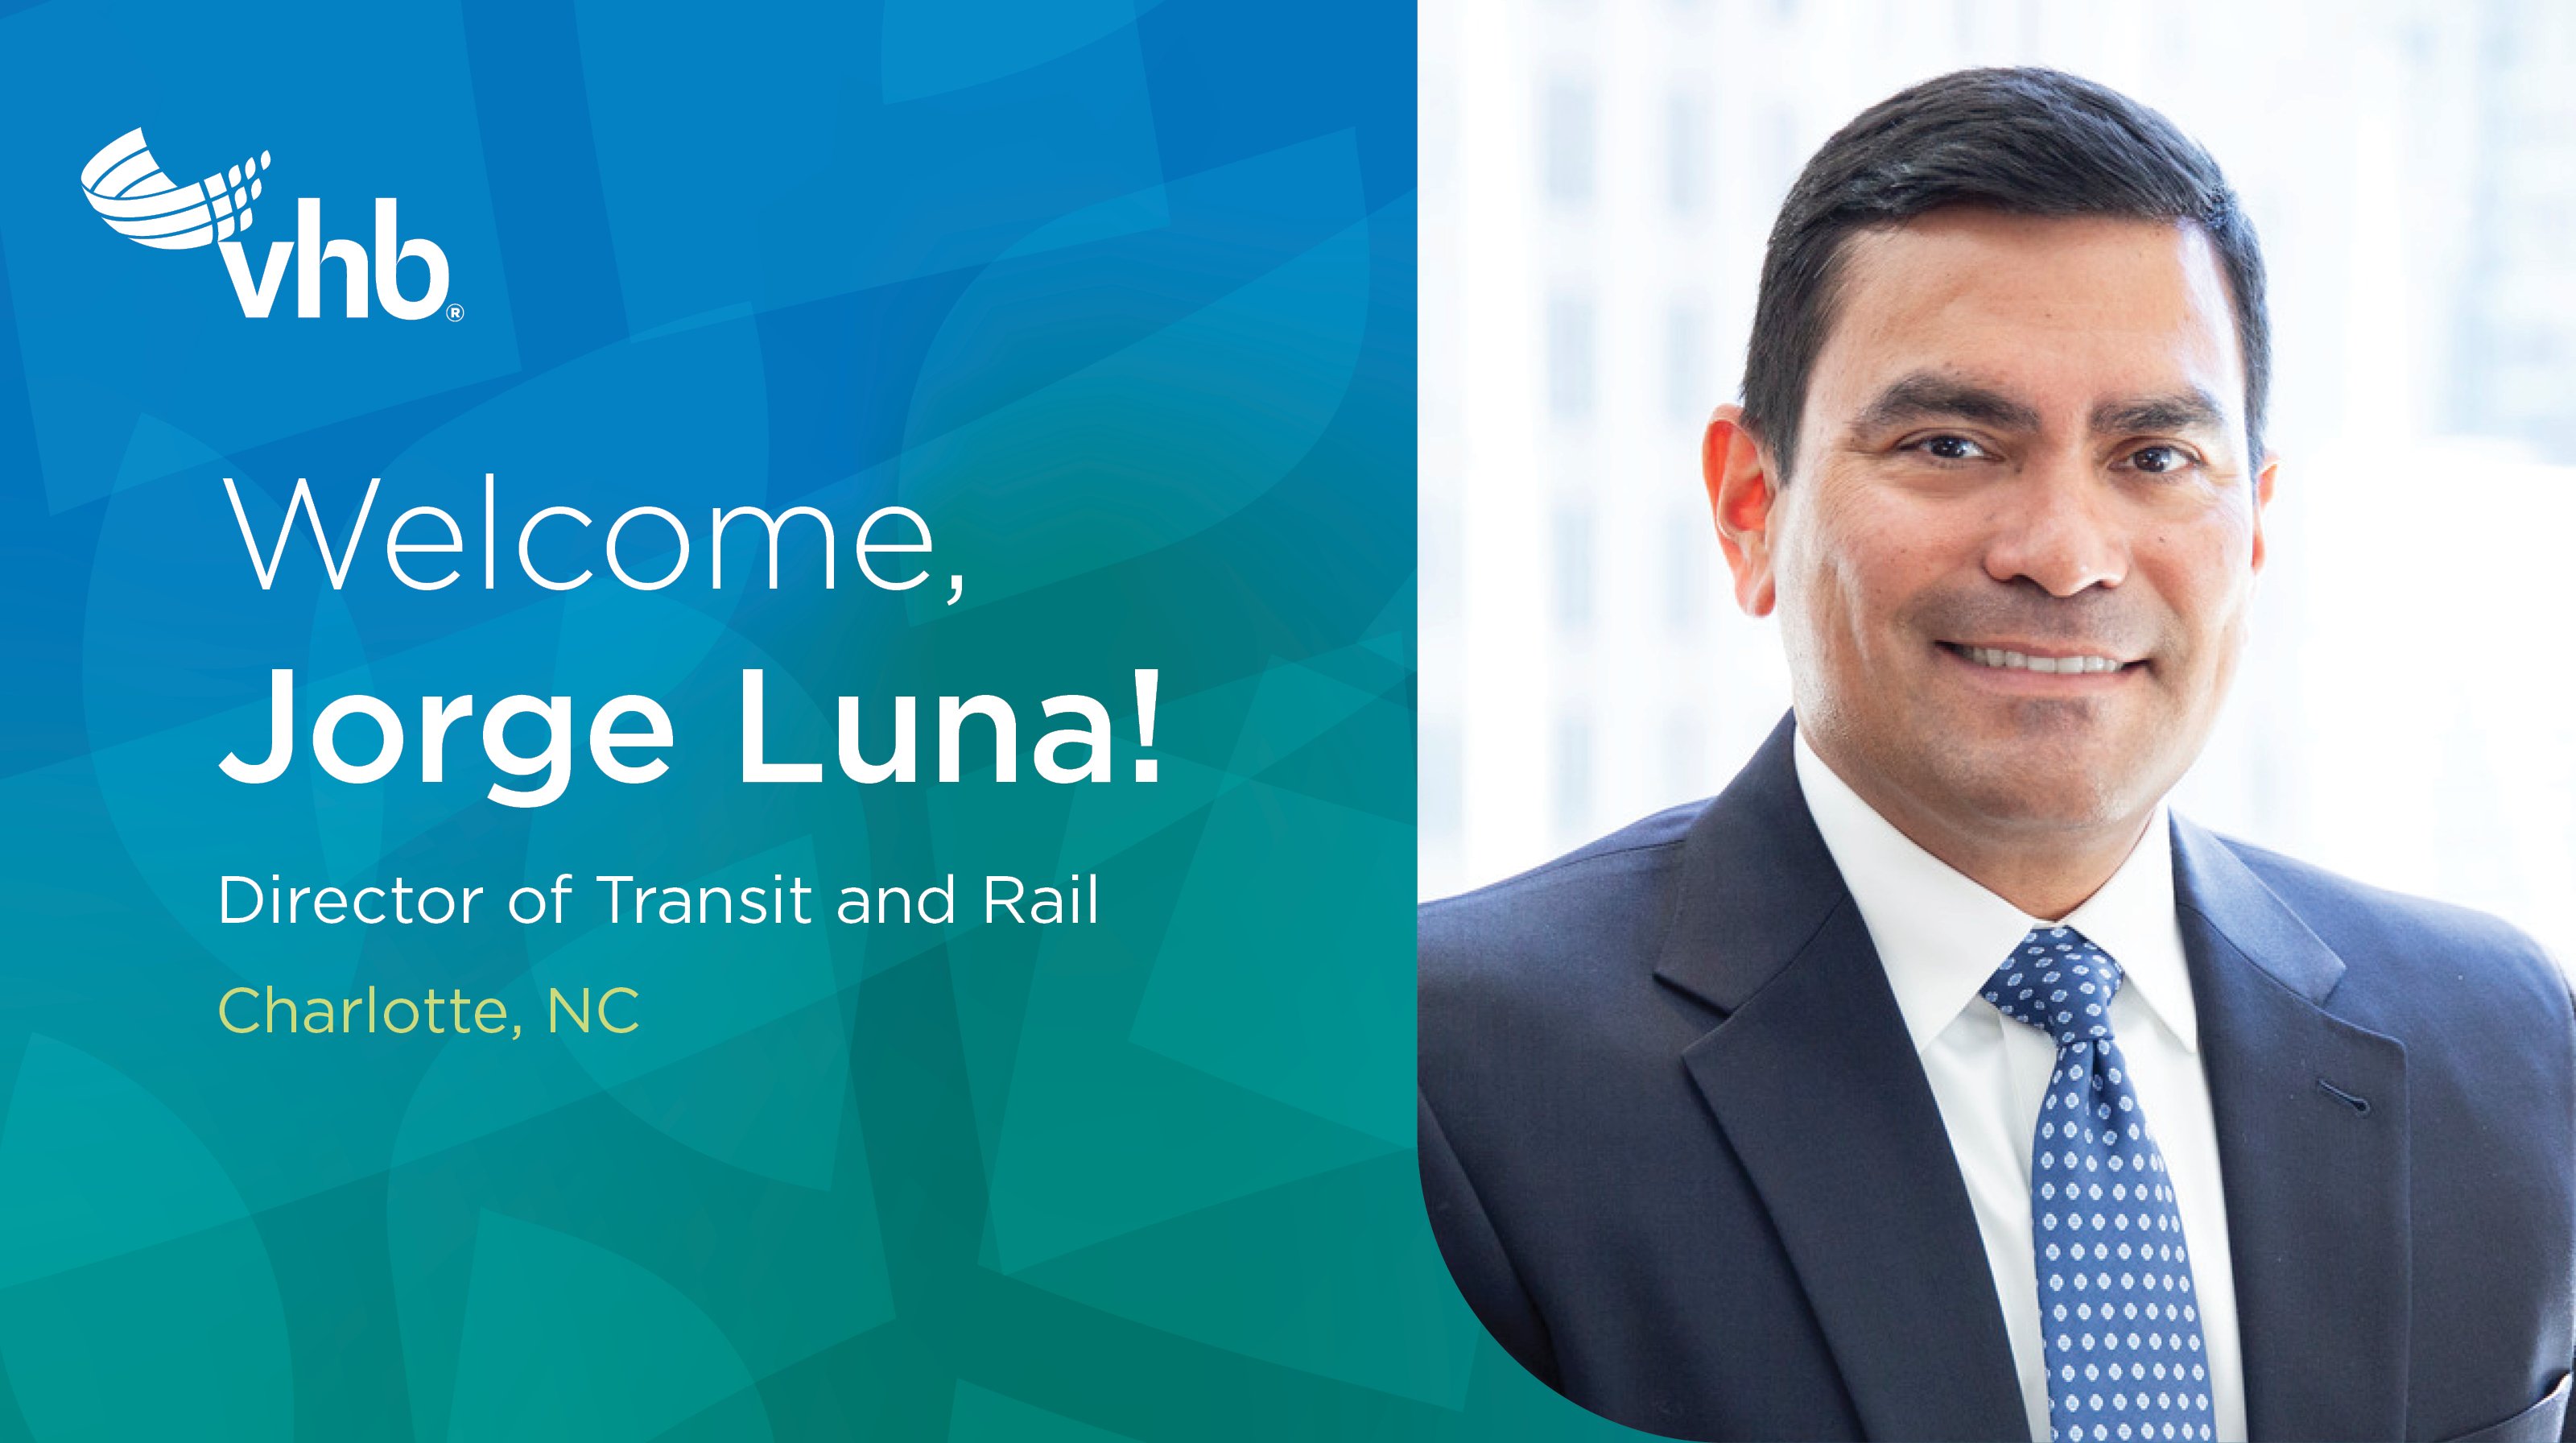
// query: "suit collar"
[[2212, 881], [1756, 883], [1814, 1081], [2317, 1187]]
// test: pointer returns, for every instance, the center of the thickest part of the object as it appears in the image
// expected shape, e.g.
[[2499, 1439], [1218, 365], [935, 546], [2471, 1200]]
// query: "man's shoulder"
[[1592, 916], [2330, 900], [1544, 1033], [1617, 864], [1614, 875], [2402, 945]]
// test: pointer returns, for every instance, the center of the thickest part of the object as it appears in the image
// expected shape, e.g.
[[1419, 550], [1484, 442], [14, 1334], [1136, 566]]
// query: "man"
[[1934, 1081]]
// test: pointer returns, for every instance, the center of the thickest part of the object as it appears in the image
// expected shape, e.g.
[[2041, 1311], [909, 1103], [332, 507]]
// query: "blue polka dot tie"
[[2116, 1306]]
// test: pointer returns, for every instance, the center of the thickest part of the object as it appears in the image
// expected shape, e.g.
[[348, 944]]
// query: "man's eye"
[[2160, 460], [1950, 448]]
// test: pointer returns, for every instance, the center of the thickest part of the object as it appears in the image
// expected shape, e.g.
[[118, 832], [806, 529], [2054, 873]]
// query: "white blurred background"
[[1598, 177]]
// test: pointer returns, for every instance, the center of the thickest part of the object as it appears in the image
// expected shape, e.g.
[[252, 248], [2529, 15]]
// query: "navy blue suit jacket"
[[1681, 1158]]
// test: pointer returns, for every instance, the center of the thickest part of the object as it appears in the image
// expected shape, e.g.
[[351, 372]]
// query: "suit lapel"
[[1817, 1086], [2316, 1187]]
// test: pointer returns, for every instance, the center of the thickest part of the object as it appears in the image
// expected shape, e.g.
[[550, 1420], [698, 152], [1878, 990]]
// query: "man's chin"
[[2029, 790]]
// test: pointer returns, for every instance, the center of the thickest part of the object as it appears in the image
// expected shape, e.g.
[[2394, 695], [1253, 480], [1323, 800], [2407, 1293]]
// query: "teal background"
[[1120, 297]]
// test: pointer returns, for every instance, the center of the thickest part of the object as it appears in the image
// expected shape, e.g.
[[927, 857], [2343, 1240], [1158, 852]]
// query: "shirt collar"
[[1940, 934]]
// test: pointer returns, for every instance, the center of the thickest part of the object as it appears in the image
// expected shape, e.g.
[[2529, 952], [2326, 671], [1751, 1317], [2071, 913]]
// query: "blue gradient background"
[[1120, 297]]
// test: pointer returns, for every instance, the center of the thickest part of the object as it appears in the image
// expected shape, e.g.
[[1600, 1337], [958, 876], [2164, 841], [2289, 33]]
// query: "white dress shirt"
[[1941, 936]]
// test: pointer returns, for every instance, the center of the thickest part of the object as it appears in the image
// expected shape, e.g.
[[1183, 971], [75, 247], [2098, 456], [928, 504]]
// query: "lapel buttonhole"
[[2360, 1105]]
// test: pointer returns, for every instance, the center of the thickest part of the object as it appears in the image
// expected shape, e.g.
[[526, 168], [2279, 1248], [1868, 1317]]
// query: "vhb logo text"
[[309, 253], [128, 190]]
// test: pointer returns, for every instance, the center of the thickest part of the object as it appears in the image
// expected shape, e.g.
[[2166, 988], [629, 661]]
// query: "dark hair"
[[2026, 141]]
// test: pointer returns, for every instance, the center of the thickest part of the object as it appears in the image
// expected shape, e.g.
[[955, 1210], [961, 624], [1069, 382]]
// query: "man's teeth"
[[2015, 661]]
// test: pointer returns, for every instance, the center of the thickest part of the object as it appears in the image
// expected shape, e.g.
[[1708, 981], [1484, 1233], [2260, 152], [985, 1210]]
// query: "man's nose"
[[2057, 523]]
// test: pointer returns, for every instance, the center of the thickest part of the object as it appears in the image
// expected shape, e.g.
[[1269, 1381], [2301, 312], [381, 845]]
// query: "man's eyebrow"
[[1924, 396], [2191, 410]]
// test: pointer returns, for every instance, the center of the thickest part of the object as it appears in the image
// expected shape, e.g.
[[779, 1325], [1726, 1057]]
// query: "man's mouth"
[[2064, 664]]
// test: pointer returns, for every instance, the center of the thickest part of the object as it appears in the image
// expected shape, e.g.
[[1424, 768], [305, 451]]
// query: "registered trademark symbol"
[[456, 313]]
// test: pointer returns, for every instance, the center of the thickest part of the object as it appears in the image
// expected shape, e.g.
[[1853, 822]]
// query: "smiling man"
[[1934, 1080]]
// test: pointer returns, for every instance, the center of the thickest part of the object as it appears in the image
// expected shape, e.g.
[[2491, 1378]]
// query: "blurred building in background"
[[1598, 177]]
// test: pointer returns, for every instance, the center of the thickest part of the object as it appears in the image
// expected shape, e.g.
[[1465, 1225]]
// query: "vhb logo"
[[126, 187]]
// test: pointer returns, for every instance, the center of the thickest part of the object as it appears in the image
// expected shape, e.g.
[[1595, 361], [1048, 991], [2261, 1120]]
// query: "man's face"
[[2014, 566]]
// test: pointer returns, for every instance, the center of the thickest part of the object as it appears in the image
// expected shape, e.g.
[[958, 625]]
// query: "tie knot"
[[2058, 982]]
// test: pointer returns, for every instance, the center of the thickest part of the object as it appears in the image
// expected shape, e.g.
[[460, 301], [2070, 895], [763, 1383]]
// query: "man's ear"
[[2263, 480], [1740, 493]]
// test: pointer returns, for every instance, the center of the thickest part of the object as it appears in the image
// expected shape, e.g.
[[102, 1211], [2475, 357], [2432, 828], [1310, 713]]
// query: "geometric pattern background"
[[1121, 297]]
